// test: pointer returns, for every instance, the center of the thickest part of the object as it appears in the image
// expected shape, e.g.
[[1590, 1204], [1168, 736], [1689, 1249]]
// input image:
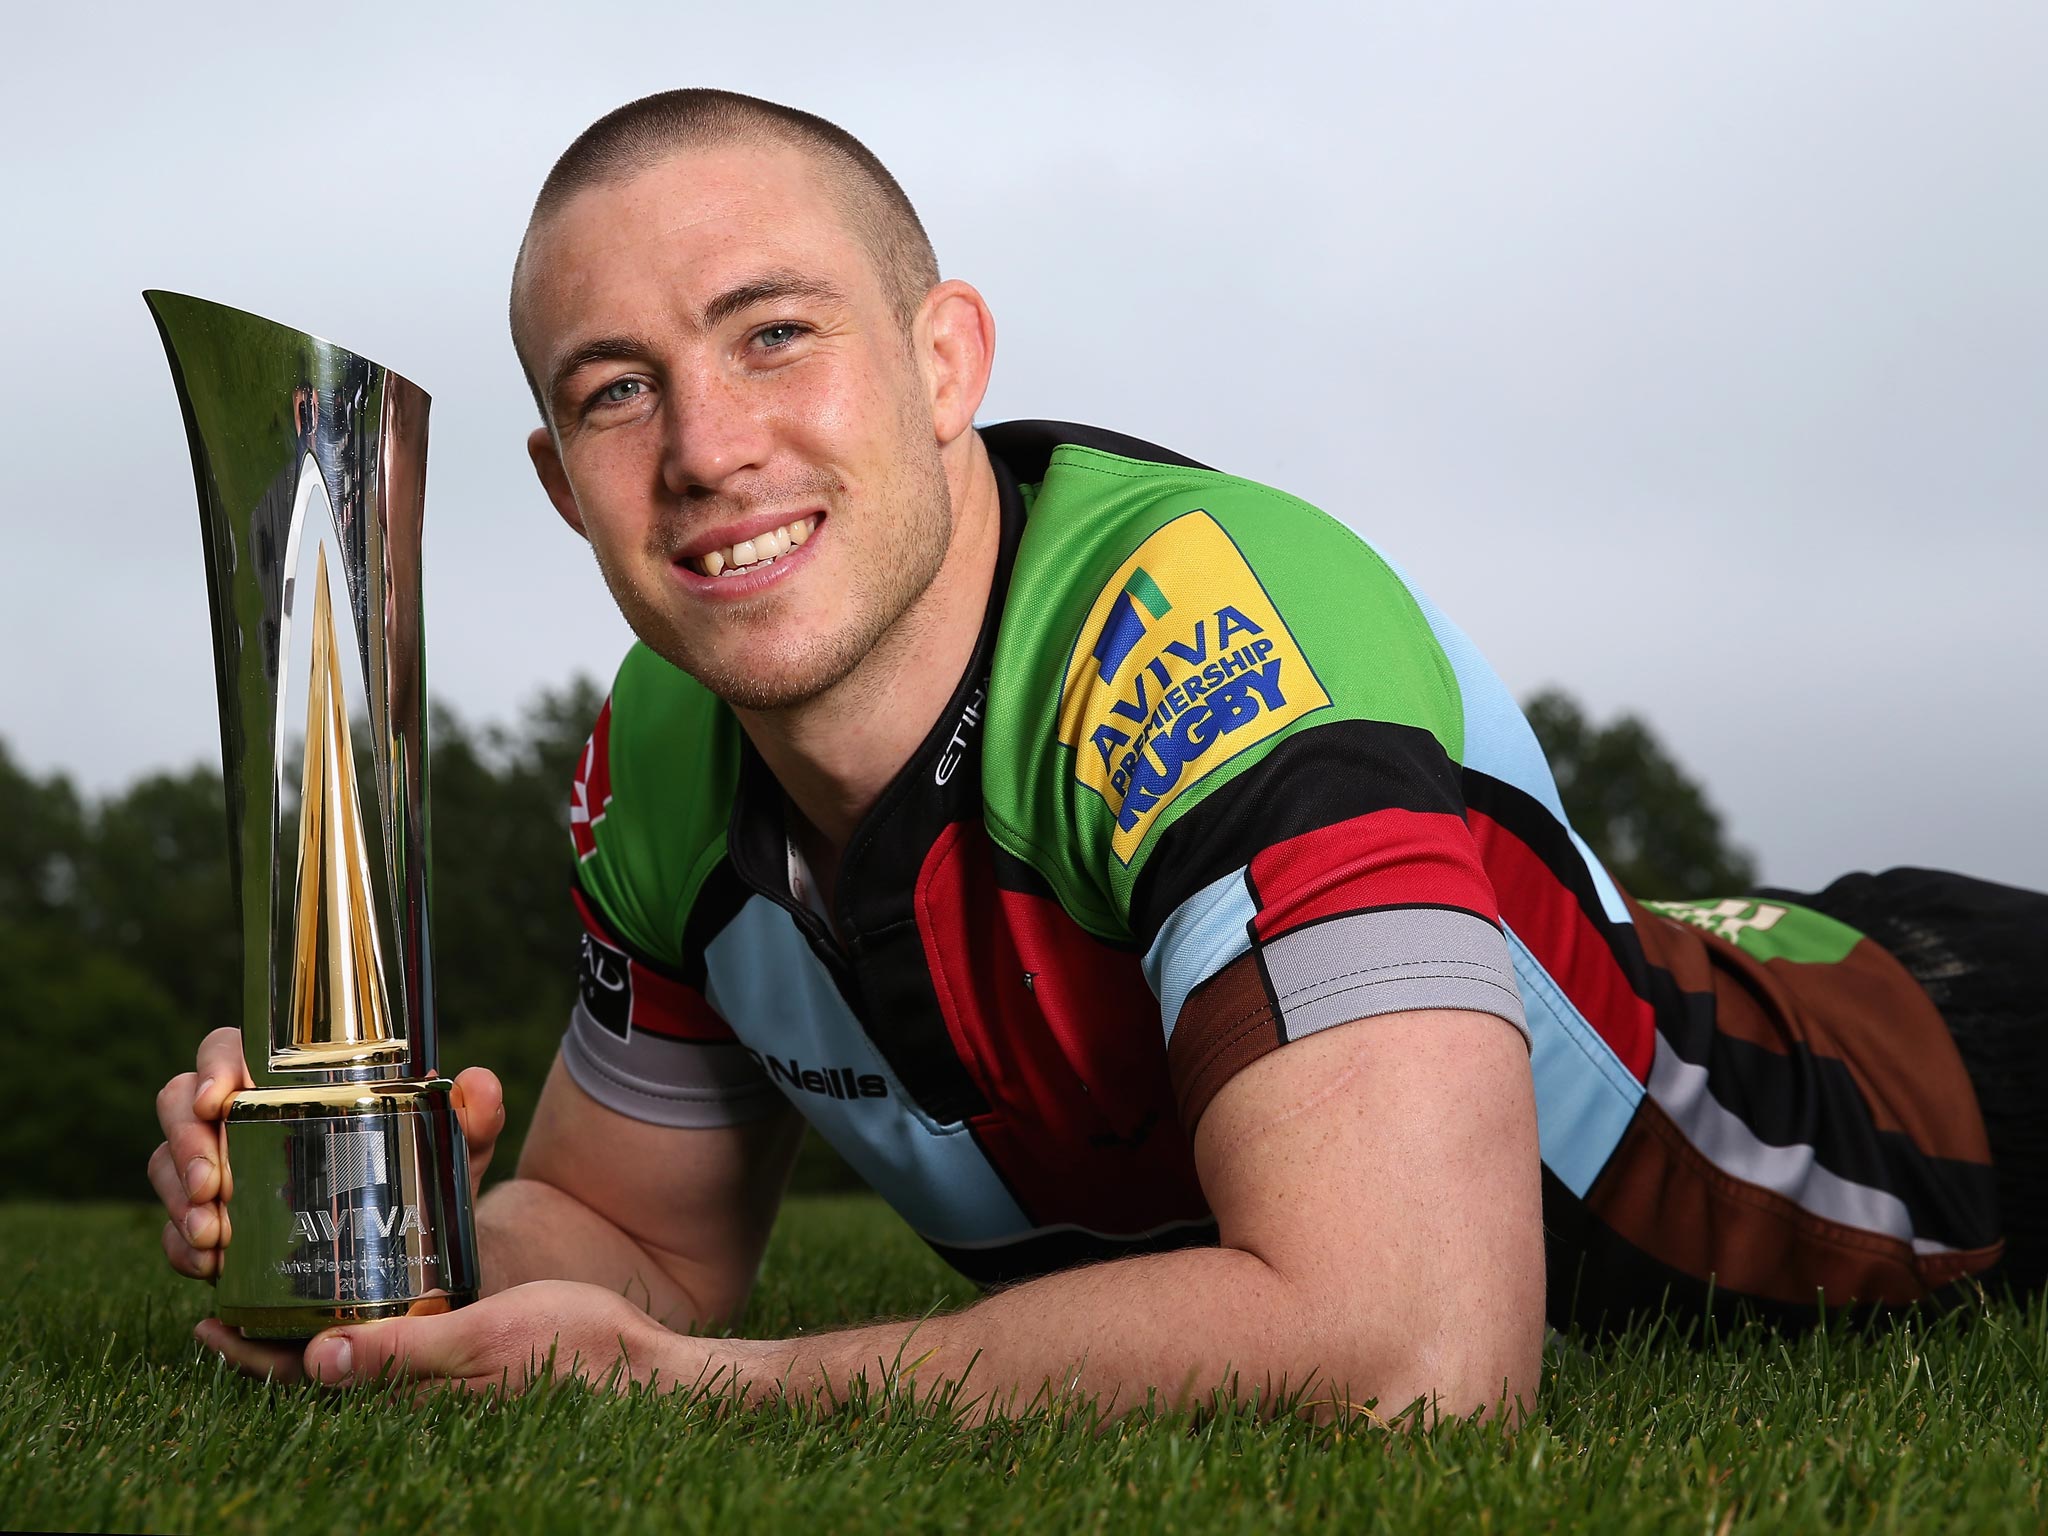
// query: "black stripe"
[[718, 902], [1027, 446], [1013, 874], [1312, 780], [1550, 840], [1798, 1098], [1030, 1257], [1793, 1098]]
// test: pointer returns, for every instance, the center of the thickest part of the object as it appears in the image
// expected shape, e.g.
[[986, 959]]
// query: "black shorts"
[[1980, 951]]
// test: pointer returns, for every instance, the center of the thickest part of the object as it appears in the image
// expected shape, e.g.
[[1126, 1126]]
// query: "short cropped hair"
[[642, 133]]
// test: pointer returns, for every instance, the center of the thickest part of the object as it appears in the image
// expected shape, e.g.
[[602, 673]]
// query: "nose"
[[714, 432]]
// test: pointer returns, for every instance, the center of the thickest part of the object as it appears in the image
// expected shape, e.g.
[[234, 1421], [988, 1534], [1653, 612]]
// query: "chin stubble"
[[898, 572]]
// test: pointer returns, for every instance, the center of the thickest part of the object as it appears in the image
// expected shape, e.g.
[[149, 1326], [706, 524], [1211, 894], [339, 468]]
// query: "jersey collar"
[[940, 784]]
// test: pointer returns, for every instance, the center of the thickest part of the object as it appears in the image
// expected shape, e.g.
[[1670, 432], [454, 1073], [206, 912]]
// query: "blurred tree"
[[1651, 824], [155, 892], [42, 846], [505, 932]]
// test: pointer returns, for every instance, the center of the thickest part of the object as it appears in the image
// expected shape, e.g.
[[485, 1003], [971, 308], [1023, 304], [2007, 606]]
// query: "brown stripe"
[[1704, 962], [1864, 1011], [1226, 1024], [1881, 1023], [1660, 1194]]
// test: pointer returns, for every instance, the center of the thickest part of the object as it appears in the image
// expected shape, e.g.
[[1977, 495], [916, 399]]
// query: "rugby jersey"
[[1219, 776]]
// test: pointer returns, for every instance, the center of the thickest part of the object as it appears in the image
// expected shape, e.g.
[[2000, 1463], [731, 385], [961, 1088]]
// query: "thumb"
[[480, 1105], [397, 1346]]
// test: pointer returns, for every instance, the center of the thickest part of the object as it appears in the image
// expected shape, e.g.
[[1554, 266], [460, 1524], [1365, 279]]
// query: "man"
[[1003, 802]]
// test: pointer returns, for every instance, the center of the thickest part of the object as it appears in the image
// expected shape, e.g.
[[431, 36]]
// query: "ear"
[[547, 463], [957, 348]]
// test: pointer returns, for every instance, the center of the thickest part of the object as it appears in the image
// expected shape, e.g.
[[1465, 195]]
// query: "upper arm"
[[1266, 781], [700, 1200], [1386, 1170], [654, 1116]]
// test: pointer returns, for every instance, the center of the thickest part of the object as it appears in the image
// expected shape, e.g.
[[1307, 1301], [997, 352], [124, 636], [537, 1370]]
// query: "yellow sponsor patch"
[[1182, 664]]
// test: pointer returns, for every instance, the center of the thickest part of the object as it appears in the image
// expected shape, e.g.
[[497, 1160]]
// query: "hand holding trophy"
[[346, 1178]]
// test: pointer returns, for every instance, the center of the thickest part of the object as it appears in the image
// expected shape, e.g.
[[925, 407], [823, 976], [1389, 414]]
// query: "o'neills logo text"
[[827, 1082], [324, 1226], [1182, 664]]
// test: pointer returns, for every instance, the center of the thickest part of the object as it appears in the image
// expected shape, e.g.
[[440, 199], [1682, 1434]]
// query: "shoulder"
[[651, 799], [1168, 627]]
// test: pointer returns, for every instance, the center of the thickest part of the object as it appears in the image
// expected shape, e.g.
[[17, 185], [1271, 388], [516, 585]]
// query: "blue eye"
[[614, 393], [778, 335]]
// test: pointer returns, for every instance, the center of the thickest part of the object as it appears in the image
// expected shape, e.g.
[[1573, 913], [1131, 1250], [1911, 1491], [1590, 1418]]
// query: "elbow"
[[1449, 1363], [1488, 1370]]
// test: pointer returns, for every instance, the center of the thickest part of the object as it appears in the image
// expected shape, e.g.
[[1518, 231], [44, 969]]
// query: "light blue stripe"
[[1585, 1097], [1603, 883], [1205, 933], [1498, 740], [765, 982]]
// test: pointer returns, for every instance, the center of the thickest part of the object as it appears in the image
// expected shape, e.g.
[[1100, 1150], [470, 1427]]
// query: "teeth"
[[751, 554]]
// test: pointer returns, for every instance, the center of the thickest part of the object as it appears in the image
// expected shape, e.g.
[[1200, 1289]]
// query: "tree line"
[[119, 947]]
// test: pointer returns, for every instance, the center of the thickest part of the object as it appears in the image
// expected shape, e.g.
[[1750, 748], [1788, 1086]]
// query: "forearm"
[[1163, 1328], [527, 1229]]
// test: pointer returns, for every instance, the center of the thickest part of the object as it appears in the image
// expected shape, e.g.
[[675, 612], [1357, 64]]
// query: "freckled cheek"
[[833, 418], [614, 484]]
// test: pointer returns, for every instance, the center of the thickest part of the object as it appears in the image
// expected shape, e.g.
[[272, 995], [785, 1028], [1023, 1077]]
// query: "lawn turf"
[[111, 1420]]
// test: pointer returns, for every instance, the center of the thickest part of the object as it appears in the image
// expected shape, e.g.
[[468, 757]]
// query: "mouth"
[[755, 553]]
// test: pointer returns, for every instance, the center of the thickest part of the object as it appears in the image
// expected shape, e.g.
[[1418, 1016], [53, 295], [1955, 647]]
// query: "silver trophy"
[[347, 1174]]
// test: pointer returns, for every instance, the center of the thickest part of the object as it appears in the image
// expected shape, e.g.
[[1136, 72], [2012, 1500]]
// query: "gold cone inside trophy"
[[349, 1180], [338, 1009]]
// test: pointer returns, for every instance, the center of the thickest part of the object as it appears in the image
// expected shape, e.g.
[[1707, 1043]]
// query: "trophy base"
[[304, 1322], [349, 1203]]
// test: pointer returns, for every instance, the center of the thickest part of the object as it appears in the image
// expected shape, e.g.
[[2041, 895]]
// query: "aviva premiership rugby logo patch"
[[1182, 664]]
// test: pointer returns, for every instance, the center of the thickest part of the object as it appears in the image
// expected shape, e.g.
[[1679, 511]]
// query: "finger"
[[480, 1106], [169, 1187], [195, 1263], [222, 1071], [192, 1143], [252, 1357]]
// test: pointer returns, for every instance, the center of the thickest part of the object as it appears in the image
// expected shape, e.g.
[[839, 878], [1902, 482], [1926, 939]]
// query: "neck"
[[835, 754]]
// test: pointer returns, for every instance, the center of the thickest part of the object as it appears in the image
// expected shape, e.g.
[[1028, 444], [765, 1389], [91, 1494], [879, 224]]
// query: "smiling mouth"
[[753, 554]]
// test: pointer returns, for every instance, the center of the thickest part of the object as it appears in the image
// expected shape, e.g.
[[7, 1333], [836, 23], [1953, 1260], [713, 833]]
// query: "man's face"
[[744, 432]]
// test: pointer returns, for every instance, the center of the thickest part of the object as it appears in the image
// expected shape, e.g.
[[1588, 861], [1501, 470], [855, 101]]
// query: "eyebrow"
[[782, 283], [599, 349], [764, 289]]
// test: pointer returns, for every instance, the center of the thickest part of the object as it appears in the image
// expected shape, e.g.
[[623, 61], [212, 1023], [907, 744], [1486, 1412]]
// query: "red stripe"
[[591, 793], [665, 1006], [659, 1004], [1388, 858], [1548, 918], [1080, 1124]]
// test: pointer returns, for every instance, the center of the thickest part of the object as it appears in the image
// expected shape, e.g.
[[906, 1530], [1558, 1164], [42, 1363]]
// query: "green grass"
[[110, 1420]]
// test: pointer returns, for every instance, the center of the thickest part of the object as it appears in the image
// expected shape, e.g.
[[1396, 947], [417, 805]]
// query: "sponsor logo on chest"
[[826, 1082], [1182, 665]]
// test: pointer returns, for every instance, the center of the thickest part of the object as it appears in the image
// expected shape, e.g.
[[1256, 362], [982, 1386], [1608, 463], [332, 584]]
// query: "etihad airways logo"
[[1182, 664]]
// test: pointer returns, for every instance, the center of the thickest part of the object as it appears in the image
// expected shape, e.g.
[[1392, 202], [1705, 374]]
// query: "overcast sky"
[[1693, 358]]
